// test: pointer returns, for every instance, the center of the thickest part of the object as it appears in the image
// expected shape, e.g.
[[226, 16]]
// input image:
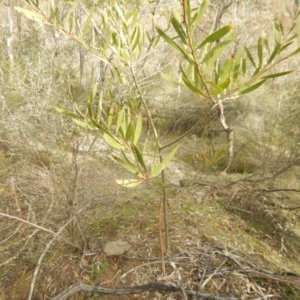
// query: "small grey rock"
[[115, 247]]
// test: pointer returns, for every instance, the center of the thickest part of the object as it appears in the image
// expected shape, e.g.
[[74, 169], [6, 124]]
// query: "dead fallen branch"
[[81, 286], [289, 278]]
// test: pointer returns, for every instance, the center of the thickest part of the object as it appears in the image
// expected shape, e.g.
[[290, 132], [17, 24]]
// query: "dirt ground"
[[232, 236]]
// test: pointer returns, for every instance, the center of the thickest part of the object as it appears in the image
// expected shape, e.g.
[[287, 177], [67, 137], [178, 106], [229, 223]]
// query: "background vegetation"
[[59, 177]]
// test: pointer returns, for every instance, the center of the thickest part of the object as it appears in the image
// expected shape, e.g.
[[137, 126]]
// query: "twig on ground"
[[57, 234], [213, 274], [177, 273], [37, 226], [38, 265], [80, 286]]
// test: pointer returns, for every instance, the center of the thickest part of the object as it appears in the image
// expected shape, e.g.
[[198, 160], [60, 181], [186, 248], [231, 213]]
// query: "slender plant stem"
[[191, 129], [165, 208], [218, 103], [164, 191]]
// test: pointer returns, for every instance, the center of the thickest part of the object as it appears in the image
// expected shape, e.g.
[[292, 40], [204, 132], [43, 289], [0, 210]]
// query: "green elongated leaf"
[[121, 116], [215, 53], [257, 70], [252, 88], [115, 42], [216, 88], [189, 71], [295, 52], [277, 74], [278, 32], [138, 156], [188, 12], [196, 78], [110, 117], [120, 13], [138, 129], [112, 142], [192, 87], [129, 182], [132, 19], [124, 55], [220, 88], [225, 70], [169, 157], [216, 50], [224, 84], [125, 157], [292, 38], [179, 29], [199, 14], [88, 22], [237, 66], [236, 72], [274, 53], [285, 46], [157, 168], [171, 79], [122, 36], [135, 38], [126, 164], [66, 112], [83, 124], [175, 46], [129, 132], [99, 127], [260, 52], [138, 50], [215, 35], [250, 57], [244, 66], [91, 100], [30, 14], [104, 18], [266, 43]]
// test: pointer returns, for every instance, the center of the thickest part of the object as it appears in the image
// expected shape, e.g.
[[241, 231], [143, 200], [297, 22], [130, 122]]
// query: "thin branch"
[[191, 129], [37, 226], [193, 52], [247, 179], [38, 265]]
